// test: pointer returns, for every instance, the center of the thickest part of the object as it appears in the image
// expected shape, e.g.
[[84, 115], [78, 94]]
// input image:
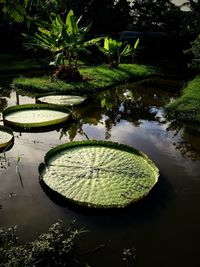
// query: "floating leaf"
[[35, 115], [63, 100], [6, 138], [99, 174]]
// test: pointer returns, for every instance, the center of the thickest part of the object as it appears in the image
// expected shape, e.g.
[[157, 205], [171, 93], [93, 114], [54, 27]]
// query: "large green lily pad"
[[63, 100], [6, 138], [35, 115], [99, 174]]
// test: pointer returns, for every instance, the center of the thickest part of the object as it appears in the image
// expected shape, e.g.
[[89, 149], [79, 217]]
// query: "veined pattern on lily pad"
[[100, 175]]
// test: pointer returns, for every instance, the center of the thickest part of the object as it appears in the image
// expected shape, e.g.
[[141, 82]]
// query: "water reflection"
[[125, 103], [186, 139], [137, 105], [3, 103], [132, 114], [5, 162]]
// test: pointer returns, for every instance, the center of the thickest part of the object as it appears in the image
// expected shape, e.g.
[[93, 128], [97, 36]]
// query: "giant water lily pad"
[[35, 115], [6, 138], [63, 100], [99, 174]]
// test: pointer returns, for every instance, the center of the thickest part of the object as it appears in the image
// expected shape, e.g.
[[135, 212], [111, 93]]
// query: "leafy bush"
[[54, 248], [112, 49], [65, 40], [195, 52]]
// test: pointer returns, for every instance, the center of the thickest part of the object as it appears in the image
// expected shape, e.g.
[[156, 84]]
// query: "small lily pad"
[[6, 138], [99, 174], [63, 100], [35, 115]]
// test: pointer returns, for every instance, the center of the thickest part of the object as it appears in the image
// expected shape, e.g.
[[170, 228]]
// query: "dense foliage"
[[108, 17], [195, 53], [55, 248], [65, 40], [114, 50]]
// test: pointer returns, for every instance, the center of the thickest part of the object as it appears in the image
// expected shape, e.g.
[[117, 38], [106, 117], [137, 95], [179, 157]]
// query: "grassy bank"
[[187, 106], [100, 77]]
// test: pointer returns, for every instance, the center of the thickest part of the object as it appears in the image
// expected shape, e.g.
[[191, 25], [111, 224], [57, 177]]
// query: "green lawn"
[[187, 106], [100, 77]]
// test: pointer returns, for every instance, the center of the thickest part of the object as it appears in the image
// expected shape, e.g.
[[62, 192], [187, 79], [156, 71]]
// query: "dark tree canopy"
[[108, 17], [150, 15]]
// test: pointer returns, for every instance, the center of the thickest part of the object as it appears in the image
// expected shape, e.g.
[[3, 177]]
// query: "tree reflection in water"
[[135, 104], [129, 102]]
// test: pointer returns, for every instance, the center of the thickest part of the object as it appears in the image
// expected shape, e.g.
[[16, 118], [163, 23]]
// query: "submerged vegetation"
[[56, 248], [100, 77], [187, 106]]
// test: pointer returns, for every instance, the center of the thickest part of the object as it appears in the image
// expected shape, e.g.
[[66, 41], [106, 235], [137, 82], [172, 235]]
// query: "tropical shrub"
[[195, 52], [65, 40], [114, 50]]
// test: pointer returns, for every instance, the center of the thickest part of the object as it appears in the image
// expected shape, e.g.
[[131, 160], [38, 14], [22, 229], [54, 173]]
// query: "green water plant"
[[59, 99], [6, 138], [54, 248], [129, 257], [35, 115], [99, 174]]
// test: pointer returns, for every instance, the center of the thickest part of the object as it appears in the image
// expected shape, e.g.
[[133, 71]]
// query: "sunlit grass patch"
[[187, 106], [100, 77]]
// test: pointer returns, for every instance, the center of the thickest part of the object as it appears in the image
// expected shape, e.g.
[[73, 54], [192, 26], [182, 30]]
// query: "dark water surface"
[[164, 228]]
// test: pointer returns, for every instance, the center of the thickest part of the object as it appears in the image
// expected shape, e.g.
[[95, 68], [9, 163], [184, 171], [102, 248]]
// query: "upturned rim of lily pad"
[[113, 145], [51, 107], [6, 145]]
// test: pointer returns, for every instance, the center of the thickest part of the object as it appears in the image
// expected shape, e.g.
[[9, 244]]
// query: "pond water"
[[163, 227]]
